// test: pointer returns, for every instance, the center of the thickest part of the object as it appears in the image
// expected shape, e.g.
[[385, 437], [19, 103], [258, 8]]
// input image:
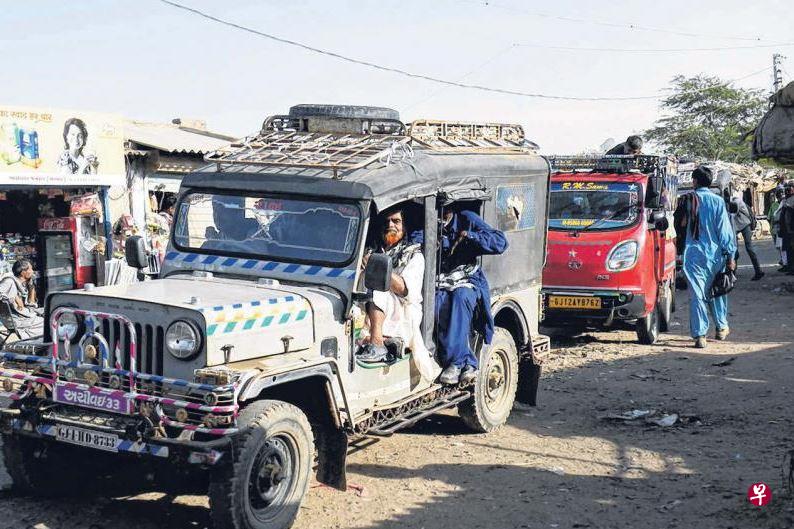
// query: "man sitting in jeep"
[[463, 290], [396, 314]]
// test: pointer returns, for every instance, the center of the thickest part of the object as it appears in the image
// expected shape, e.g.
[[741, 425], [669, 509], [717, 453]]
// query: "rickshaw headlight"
[[623, 256]]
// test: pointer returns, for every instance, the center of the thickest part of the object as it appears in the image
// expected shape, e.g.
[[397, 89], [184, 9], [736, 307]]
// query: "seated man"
[[398, 312], [20, 292], [462, 288]]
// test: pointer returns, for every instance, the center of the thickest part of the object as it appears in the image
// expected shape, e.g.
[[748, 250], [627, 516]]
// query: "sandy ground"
[[561, 465]]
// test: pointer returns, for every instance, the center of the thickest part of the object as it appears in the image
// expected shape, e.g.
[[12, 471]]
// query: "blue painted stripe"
[[336, 272], [313, 270], [250, 264], [172, 255], [269, 266], [291, 269], [190, 257], [229, 262], [210, 259]]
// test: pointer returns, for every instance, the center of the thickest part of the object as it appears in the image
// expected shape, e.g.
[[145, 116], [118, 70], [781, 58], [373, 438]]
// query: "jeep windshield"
[[577, 205], [267, 227]]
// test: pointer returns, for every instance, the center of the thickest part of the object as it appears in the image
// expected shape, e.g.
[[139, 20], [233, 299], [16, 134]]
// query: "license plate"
[[574, 302], [82, 437], [89, 399]]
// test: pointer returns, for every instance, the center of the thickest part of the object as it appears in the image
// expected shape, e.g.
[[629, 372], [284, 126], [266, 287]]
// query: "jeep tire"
[[495, 387], [267, 474], [49, 469]]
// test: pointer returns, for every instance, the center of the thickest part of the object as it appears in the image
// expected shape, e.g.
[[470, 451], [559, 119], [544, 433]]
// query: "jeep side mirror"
[[135, 252], [659, 220], [377, 275]]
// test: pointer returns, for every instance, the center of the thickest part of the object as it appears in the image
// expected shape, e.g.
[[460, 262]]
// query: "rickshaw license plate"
[[82, 437], [574, 302]]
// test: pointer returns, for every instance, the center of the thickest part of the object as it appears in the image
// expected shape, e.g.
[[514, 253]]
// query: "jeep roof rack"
[[455, 136], [346, 137]]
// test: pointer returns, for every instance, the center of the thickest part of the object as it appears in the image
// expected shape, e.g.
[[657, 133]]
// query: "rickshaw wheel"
[[648, 327], [495, 387]]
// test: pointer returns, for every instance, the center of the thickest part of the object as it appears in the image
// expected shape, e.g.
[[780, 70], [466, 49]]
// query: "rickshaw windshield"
[[268, 227], [577, 205]]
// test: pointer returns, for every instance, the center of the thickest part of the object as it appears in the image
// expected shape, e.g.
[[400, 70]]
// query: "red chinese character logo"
[[759, 494]]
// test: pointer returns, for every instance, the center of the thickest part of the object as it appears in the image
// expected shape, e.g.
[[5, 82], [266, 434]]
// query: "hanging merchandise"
[[86, 205]]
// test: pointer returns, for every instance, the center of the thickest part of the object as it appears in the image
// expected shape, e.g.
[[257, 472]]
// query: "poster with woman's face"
[[76, 158], [50, 148]]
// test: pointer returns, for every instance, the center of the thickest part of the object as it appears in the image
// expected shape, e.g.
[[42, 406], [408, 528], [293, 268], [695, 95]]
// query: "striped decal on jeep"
[[181, 259], [252, 315]]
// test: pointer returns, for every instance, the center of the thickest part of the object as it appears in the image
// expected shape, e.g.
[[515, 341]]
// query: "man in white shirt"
[[397, 313]]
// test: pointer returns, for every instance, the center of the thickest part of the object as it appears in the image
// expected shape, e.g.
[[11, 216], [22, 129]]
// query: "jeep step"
[[448, 401]]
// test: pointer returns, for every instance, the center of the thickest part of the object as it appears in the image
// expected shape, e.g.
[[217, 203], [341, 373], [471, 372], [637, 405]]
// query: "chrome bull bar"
[[61, 356]]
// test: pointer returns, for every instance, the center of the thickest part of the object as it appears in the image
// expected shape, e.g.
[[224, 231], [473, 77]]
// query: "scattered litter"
[[652, 418], [556, 470], [671, 505], [725, 363], [667, 420], [632, 415]]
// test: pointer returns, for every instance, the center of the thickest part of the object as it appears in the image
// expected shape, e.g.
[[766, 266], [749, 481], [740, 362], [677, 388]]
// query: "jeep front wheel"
[[495, 387], [265, 482]]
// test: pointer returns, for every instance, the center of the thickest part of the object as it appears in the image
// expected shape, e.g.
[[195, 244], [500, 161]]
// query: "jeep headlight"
[[623, 256], [68, 325], [182, 340]]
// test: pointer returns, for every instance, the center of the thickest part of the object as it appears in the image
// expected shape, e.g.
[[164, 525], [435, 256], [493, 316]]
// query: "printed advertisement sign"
[[46, 147]]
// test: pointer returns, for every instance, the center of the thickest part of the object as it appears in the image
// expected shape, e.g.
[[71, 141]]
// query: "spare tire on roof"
[[343, 111]]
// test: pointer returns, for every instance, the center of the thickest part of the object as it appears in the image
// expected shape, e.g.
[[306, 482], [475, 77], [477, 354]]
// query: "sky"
[[150, 61]]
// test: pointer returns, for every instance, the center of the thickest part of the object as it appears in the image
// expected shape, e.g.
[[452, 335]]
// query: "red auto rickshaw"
[[611, 245]]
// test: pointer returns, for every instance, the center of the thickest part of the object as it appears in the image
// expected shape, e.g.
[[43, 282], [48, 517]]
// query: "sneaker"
[[468, 375], [757, 276], [372, 354], [700, 342], [450, 375], [722, 334]]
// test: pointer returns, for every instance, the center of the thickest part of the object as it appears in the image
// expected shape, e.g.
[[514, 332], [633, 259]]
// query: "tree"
[[706, 117]]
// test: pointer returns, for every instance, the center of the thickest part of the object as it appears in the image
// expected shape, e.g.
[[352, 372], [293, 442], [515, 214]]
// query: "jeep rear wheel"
[[264, 484], [495, 387]]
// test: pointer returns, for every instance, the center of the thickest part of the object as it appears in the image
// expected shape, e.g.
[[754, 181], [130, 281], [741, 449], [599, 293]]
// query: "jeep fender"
[[312, 390], [509, 316]]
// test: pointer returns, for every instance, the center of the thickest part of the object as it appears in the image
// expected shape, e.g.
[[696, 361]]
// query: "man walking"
[[710, 248], [743, 223]]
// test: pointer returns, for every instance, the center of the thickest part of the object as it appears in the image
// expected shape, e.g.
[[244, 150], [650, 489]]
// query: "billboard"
[[47, 147]]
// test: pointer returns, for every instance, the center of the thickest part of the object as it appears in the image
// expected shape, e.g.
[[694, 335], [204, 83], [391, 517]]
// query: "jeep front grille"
[[150, 346]]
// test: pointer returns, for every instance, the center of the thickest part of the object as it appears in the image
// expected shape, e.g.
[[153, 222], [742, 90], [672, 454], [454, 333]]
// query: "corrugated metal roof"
[[173, 138]]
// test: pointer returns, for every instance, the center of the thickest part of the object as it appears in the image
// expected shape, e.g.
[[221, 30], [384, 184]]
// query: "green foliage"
[[705, 117]]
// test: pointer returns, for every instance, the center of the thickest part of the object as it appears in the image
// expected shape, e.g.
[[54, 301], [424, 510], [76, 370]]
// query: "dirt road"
[[561, 465]]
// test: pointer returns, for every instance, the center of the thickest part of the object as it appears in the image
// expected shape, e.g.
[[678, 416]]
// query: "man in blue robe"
[[463, 291], [710, 247]]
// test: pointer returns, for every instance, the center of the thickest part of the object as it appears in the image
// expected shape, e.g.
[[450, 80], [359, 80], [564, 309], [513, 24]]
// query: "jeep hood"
[[241, 320]]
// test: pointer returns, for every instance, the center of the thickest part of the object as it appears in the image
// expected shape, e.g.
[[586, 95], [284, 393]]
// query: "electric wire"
[[652, 50], [413, 75], [604, 23]]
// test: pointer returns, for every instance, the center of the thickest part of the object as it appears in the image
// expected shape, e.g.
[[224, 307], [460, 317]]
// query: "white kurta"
[[404, 317]]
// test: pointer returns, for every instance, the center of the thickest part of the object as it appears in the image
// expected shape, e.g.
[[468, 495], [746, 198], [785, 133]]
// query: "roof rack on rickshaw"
[[615, 163], [346, 144]]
